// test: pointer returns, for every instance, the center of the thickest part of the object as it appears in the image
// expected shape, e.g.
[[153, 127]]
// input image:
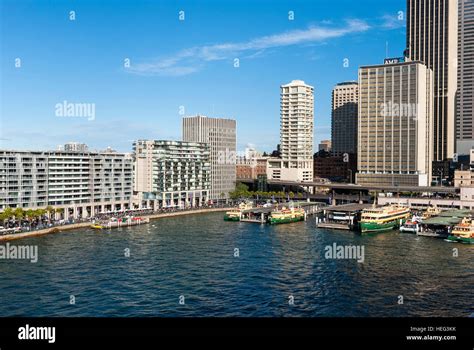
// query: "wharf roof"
[[351, 207], [448, 218]]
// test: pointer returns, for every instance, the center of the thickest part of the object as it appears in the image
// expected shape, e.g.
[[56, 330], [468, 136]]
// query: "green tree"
[[3, 217], [30, 214], [8, 213], [241, 191], [18, 213]]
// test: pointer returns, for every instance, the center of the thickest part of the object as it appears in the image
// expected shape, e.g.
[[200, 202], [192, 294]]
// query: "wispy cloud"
[[193, 59], [392, 21]]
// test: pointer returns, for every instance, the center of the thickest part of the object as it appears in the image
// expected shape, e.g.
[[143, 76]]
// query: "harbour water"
[[195, 257]]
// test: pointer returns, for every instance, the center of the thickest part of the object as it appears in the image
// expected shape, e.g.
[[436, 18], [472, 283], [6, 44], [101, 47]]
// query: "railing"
[[14, 226]]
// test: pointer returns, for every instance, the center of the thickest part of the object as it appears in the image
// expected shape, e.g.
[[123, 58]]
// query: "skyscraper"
[[220, 134], [296, 131], [345, 97], [432, 29], [395, 143], [465, 93]]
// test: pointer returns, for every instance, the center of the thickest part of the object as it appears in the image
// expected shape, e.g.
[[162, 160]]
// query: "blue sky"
[[178, 64]]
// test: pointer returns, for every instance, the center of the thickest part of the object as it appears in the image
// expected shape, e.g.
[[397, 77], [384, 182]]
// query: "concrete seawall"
[[58, 229]]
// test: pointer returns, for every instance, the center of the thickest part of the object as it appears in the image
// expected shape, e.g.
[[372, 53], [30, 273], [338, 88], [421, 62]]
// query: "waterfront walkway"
[[68, 227]]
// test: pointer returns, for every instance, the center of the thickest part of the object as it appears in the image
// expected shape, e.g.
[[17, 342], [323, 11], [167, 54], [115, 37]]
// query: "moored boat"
[[383, 218], [463, 232], [121, 222], [286, 215], [412, 225], [430, 212], [235, 214]]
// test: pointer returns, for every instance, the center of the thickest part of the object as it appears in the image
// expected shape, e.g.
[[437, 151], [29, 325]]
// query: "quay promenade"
[[74, 226]]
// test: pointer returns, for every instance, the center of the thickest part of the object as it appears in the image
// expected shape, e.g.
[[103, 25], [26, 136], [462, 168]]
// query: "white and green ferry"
[[383, 218]]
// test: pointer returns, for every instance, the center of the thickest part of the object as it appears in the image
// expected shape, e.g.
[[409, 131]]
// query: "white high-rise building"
[[296, 133], [220, 135]]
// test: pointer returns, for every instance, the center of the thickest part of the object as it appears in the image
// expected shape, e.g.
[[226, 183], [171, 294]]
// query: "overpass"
[[353, 187]]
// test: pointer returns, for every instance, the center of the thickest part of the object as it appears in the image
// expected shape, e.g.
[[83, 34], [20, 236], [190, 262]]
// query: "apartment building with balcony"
[[84, 184], [171, 173], [296, 133]]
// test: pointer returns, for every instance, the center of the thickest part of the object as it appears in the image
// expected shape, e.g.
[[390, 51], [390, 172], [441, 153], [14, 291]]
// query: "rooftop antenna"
[[386, 49]]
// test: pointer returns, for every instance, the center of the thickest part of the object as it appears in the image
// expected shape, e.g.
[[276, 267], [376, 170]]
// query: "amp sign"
[[394, 60]]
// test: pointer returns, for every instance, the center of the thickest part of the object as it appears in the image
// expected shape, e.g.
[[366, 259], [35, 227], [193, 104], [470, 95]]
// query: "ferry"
[[234, 214], [429, 212], [463, 232], [383, 219], [125, 221], [286, 215]]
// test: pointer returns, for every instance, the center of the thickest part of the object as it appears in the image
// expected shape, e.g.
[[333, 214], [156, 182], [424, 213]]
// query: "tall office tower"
[[432, 30], [220, 134], [465, 93], [172, 173], [395, 144], [296, 131], [345, 97]]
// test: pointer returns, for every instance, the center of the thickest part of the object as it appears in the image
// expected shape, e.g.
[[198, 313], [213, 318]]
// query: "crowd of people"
[[13, 225]]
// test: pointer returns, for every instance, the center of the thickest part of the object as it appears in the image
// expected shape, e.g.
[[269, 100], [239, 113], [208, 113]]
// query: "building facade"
[[83, 184], [296, 131], [345, 98], [465, 93], [251, 168], [464, 178], [220, 134], [171, 174], [395, 125], [325, 145], [334, 167], [432, 38]]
